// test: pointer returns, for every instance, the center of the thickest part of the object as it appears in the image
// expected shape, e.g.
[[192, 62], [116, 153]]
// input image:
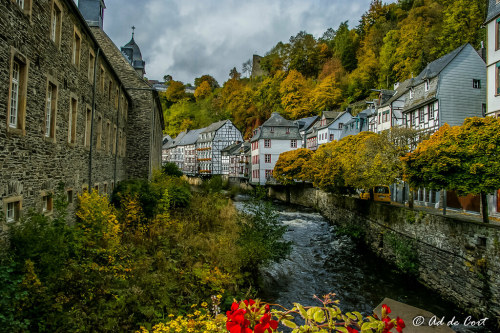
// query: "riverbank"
[[459, 259]]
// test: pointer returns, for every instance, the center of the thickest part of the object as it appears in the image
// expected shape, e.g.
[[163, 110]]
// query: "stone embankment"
[[460, 259]]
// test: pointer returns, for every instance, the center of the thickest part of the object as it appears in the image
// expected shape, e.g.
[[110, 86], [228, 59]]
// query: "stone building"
[[68, 119]]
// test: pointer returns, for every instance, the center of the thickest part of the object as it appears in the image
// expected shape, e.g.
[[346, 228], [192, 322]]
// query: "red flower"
[[250, 301], [352, 330], [400, 324], [385, 310], [388, 324]]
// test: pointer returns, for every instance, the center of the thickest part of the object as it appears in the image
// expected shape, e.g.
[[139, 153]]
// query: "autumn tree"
[[290, 166], [203, 91], [294, 92], [206, 78], [463, 158], [175, 91], [327, 95]]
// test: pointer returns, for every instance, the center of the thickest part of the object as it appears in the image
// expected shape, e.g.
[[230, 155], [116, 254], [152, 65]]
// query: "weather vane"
[[133, 28]]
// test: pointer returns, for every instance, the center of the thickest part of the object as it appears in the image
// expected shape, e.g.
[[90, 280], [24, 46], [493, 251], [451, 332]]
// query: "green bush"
[[171, 169]]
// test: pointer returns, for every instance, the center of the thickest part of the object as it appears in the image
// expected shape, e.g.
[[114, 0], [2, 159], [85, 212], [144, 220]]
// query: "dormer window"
[[288, 130], [272, 129], [411, 93], [426, 85]]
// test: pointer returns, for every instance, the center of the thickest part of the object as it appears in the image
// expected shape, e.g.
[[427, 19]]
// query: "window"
[[77, 45], [431, 111], [47, 203], [69, 196], [56, 23], [88, 125], [413, 118], [117, 95], [99, 132], [331, 137], [421, 115], [497, 31], [272, 129], [341, 125], [110, 90], [426, 85], [293, 143], [483, 109], [497, 79], [267, 158], [16, 102], [108, 136], [73, 109], [50, 111], [267, 143], [102, 75], [105, 188], [476, 84], [411, 93], [12, 208], [288, 130], [91, 65], [269, 173]]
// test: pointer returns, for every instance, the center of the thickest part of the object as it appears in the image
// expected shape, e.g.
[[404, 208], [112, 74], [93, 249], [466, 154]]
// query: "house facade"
[[273, 137], [358, 123], [187, 147], [333, 131], [210, 143], [389, 112], [448, 90], [493, 59], [66, 113]]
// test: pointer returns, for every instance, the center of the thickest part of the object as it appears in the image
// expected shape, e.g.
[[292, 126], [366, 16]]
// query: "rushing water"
[[322, 261]]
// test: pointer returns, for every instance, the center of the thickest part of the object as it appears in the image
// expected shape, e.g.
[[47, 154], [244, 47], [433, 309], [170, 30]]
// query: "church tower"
[[92, 11], [132, 53]]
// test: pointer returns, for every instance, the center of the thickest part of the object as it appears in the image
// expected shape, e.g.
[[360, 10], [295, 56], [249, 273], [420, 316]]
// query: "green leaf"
[[342, 329], [358, 315], [302, 311], [289, 323], [319, 316]]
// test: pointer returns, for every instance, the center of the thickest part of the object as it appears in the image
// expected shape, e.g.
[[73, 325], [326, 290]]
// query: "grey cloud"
[[189, 38]]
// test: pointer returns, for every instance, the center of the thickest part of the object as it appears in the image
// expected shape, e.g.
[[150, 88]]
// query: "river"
[[322, 261]]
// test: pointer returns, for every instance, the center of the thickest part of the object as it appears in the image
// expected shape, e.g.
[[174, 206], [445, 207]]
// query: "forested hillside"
[[390, 43]]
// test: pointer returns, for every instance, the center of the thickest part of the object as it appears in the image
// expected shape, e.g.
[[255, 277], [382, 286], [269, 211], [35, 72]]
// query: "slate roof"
[[306, 123], [493, 11], [330, 114], [400, 91], [190, 137], [214, 126], [174, 142], [231, 149], [166, 138], [434, 68], [276, 120]]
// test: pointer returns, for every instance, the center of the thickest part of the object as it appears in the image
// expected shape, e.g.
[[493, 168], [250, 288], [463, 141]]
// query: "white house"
[[389, 112], [211, 141], [272, 138], [333, 130], [448, 90]]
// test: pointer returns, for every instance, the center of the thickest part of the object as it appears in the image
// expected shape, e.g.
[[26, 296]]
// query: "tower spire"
[[133, 31]]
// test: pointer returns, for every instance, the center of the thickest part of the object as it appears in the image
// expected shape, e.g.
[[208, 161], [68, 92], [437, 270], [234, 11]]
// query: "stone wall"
[[460, 259], [31, 164]]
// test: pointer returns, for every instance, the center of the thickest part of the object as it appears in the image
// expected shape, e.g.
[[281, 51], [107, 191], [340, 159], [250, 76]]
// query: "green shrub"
[[171, 169]]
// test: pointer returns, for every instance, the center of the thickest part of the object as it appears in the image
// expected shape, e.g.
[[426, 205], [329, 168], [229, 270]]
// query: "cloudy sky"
[[189, 38]]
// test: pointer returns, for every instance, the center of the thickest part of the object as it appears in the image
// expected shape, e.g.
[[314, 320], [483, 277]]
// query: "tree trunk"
[[410, 198], [442, 199], [484, 207]]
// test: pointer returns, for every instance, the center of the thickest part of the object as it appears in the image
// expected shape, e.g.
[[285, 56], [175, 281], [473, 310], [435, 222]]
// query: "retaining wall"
[[459, 259]]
